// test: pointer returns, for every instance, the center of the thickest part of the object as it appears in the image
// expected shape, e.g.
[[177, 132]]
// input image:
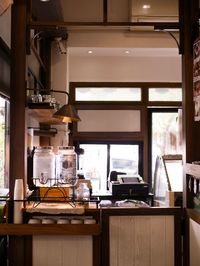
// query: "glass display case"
[[168, 179]]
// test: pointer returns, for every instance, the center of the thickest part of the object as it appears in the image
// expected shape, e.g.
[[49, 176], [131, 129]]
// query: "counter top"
[[58, 208]]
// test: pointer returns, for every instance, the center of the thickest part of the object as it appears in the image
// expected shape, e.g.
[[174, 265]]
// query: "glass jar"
[[44, 166], [83, 192], [66, 165]]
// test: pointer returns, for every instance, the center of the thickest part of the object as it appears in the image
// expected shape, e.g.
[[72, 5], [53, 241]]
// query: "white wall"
[[59, 81], [121, 69], [154, 56]]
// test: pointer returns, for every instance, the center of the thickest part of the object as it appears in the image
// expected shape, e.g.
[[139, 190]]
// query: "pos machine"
[[131, 186]]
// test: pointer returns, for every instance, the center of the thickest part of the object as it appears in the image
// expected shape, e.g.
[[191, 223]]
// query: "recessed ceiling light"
[[44, 0], [127, 52], [146, 6], [90, 52]]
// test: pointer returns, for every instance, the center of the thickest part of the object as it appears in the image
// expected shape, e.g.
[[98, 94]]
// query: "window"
[[165, 94], [117, 113], [99, 160], [165, 136], [107, 94], [4, 149]]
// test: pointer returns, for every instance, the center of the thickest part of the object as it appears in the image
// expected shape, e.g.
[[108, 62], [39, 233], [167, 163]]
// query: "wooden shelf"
[[45, 115], [49, 229], [193, 169], [194, 215]]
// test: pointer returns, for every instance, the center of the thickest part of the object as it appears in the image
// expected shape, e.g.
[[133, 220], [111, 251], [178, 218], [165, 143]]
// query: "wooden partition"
[[144, 237], [193, 240]]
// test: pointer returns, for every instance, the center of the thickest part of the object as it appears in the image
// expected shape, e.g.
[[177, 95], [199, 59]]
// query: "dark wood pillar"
[[18, 93], [191, 129], [16, 245]]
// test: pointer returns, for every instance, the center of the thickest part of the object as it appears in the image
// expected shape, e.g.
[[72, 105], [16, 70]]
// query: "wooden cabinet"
[[192, 242], [142, 237], [192, 183]]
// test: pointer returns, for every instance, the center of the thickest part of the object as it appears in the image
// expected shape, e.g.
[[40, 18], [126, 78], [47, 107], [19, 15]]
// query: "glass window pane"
[[175, 173], [93, 164], [165, 94], [108, 94], [124, 158], [166, 139], [99, 160], [3, 161]]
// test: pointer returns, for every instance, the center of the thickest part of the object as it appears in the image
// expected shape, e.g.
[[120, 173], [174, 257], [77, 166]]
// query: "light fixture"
[[67, 114], [90, 52], [146, 6], [127, 52]]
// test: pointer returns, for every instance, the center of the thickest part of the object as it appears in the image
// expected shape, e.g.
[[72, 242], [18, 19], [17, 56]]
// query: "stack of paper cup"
[[18, 201]]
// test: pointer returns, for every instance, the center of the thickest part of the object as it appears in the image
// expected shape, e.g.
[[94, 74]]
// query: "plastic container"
[[44, 166], [66, 165]]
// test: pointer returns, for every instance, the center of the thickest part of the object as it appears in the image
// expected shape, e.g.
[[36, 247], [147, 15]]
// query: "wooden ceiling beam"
[[58, 24]]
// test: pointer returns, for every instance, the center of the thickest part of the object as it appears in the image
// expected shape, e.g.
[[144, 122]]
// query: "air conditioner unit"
[[154, 11]]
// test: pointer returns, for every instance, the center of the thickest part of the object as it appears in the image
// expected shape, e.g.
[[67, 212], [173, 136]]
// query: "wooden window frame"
[[121, 137]]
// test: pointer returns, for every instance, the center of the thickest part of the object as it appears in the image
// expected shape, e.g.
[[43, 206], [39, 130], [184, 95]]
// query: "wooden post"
[[191, 129], [18, 93], [17, 245]]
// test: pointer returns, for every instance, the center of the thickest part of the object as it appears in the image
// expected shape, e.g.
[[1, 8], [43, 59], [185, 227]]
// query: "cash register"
[[129, 186]]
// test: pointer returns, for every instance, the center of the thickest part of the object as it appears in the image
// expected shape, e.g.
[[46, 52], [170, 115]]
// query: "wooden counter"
[[123, 236], [49, 229]]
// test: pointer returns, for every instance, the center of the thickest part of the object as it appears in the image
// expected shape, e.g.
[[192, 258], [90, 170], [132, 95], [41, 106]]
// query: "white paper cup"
[[19, 189], [76, 221], [89, 221], [63, 221], [48, 221], [34, 221], [18, 217]]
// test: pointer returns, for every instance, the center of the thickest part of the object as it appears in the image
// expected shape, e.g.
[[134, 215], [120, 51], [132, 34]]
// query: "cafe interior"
[[99, 135]]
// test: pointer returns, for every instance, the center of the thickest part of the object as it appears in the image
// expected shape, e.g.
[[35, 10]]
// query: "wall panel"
[[62, 250], [141, 240]]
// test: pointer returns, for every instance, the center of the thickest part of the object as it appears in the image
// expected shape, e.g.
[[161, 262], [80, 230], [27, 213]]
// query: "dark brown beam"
[[105, 10], [57, 24]]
